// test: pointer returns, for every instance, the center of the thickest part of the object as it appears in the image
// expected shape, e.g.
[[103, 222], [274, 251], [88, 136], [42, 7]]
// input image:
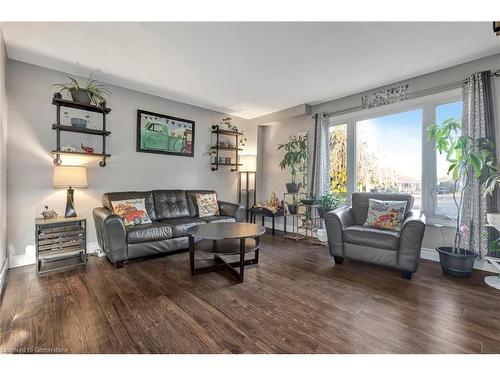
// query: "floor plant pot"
[[292, 187], [80, 96], [458, 264]]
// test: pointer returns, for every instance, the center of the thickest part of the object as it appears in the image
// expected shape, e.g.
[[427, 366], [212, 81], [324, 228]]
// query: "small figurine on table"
[[49, 214]]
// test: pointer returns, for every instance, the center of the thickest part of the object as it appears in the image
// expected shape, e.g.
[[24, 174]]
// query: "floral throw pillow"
[[207, 204], [385, 214], [133, 211]]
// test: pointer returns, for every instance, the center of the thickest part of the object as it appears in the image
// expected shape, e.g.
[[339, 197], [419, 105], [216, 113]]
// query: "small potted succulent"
[[329, 201], [468, 158], [295, 158], [93, 91]]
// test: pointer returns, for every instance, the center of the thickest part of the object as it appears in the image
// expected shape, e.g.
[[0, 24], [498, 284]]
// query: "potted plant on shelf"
[[329, 201], [468, 159], [93, 92], [292, 207], [295, 158]]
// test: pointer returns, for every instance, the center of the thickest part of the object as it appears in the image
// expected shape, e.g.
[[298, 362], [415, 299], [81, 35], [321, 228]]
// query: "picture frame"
[[163, 134]]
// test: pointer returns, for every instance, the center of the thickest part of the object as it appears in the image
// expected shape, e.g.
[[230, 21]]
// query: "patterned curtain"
[[321, 166], [477, 121]]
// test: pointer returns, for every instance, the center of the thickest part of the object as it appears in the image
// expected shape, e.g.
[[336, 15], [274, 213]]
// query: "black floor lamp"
[[246, 186]]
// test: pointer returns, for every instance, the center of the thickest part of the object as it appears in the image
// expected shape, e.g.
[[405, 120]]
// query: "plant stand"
[[295, 218]]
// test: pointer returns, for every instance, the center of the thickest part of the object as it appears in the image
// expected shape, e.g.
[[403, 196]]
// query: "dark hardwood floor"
[[294, 301]]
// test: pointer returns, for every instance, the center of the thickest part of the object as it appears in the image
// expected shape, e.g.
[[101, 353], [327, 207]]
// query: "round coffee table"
[[225, 239]]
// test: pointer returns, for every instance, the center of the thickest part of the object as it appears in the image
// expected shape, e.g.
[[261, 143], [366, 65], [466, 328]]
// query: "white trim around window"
[[428, 106]]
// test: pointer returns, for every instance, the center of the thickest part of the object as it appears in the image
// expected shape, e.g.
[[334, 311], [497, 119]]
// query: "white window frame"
[[427, 105]]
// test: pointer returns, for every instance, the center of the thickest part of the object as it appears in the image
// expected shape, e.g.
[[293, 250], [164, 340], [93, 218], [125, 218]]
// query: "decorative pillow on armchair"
[[385, 214], [133, 211], [207, 204]]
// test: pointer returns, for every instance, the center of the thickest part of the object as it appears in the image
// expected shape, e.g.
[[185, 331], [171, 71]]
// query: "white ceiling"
[[250, 69]]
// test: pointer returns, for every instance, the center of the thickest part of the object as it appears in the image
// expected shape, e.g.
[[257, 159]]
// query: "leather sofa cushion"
[[180, 225], [148, 232], [123, 195], [360, 203], [170, 204], [191, 200], [371, 237], [218, 219]]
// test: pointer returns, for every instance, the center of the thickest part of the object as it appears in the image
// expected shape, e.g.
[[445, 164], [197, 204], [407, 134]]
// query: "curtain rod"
[[413, 95]]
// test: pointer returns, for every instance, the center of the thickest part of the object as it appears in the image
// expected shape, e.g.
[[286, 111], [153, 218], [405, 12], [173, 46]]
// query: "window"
[[444, 203], [338, 158], [385, 149], [389, 154]]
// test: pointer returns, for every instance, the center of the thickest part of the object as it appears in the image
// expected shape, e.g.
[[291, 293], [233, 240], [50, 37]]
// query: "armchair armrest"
[[412, 233], [336, 221], [111, 234], [235, 210]]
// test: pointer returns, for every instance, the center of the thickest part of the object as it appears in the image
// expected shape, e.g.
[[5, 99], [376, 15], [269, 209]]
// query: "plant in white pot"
[[295, 158], [468, 159]]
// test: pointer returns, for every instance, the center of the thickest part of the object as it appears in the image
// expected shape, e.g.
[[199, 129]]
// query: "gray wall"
[[3, 156], [31, 139], [273, 180]]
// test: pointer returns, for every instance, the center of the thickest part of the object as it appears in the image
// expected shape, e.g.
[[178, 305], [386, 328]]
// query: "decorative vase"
[[80, 96], [458, 264], [292, 187]]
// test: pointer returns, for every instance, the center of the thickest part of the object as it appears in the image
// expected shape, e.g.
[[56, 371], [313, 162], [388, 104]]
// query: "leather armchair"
[[348, 238]]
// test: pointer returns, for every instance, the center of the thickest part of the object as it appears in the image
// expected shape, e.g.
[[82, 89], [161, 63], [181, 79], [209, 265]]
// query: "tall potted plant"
[[295, 158], [468, 159]]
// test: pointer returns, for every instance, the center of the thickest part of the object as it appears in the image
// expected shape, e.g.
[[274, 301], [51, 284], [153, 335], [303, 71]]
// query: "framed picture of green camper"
[[162, 134]]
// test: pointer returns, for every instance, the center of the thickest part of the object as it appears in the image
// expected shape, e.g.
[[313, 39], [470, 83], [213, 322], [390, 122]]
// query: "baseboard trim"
[[30, 259], [3, 276]]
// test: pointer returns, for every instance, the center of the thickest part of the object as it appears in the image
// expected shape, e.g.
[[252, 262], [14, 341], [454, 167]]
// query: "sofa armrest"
[[111, 234], [336, 221], [412, 233], [235, 210]]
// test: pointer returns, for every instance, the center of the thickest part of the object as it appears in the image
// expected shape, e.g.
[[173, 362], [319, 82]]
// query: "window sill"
[[440, 222]]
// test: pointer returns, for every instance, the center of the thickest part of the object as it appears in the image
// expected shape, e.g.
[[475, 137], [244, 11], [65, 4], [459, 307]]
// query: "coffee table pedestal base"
[[224, 247]]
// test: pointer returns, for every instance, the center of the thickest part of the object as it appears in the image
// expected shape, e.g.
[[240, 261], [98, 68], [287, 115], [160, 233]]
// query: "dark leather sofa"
[[348, 238], [172, 213]]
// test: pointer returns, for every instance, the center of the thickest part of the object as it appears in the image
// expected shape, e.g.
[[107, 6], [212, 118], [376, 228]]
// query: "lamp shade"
[[249, 163], [66, 176]]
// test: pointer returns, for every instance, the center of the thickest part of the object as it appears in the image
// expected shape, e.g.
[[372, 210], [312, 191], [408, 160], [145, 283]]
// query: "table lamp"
[[69, 177], [247, 191]]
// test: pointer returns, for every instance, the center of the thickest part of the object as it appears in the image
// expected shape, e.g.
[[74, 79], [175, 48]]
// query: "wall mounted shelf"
[[59, 102], [67, 128], [84, 107], [216, 148]]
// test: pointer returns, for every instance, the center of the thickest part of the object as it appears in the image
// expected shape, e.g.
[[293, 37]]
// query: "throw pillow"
[[133, 211], [207, 204], [385, 214]]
